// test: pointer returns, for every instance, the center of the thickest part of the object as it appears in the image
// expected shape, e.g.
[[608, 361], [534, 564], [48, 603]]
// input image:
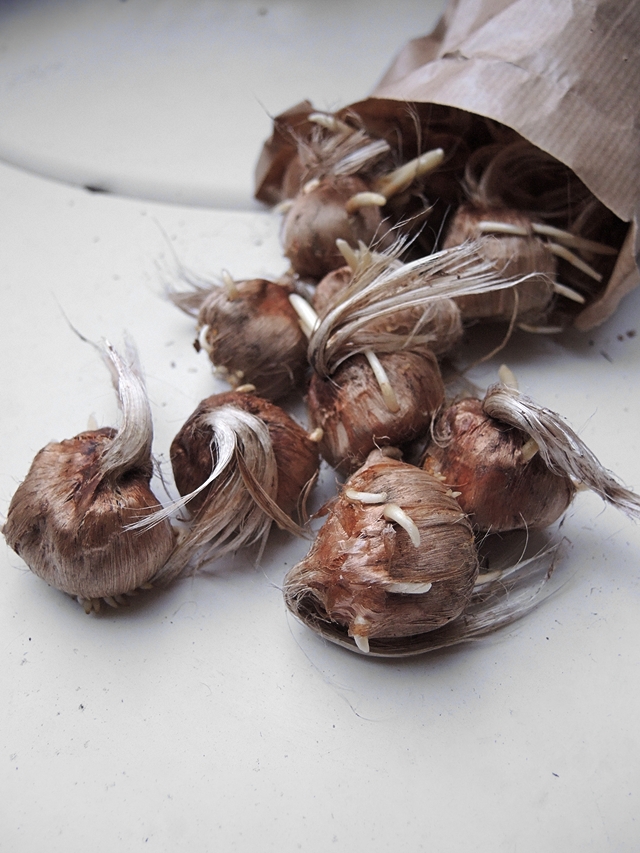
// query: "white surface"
[[204, 718], [171, 99]]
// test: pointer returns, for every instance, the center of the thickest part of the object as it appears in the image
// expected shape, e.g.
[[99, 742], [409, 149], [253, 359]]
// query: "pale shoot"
[[401, 178], [364, 199], [365, 497], [393, 512], [331, 123], [380, 374], [306, 314]]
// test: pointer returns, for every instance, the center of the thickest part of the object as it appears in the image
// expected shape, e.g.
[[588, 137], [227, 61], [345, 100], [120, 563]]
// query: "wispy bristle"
[[385, 287], [562, 449], [337, 153], [504, 596], [240, 507], [132, 443]]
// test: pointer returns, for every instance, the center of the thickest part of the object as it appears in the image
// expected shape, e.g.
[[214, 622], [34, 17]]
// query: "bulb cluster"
[[359, 326]]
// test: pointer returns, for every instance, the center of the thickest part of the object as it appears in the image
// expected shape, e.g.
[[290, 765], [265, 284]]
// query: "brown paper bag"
[[562, 74]]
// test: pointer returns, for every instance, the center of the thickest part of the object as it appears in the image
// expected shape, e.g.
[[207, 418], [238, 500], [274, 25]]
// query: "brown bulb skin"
[[296, 455], [67, 522], [318, 218], [254, 337], [329, 289], [358, 552], [349, 408], [481, 458], [510, 255]]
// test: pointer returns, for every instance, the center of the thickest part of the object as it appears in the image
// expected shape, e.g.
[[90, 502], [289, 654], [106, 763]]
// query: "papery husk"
[[325, 153], [436, 325], [319, 217], [358, 556], [70, 516], [392, 307], [481, 459], [562, 450], [510, 255], [353, 415], [330, 287], [296, 455], [250, 333], [563, 76], [517, 580], [514, 464], [240, 463]]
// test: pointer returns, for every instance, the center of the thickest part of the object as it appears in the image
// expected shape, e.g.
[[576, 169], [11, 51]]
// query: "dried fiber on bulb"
[[355, 415], [395, 558], [250, 333], [240, 463], [344, 181], [514, 464], [69, 519]]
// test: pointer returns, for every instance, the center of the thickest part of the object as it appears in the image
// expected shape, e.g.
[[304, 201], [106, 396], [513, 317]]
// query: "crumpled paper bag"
[[564, 74]]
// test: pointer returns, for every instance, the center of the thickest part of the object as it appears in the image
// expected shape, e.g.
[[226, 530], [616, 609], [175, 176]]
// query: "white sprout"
[[306, 314], [408, 587], [363, 261], [386, 389], [365, 497], [540, 330], [230, 286], [364, 199], [559, 248], [567, 255], [362, 643], [507, 376], [568, 293], [573, 240], [399, 179], [488, 577], [393, 512], [283, 207], [359, 631], [310, 186], [350, 255], [488, 226], [203, 341], [330, 122], [529, 450]]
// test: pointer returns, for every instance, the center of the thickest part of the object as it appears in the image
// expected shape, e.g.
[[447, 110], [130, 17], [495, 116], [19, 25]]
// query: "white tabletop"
[[205, 718]]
